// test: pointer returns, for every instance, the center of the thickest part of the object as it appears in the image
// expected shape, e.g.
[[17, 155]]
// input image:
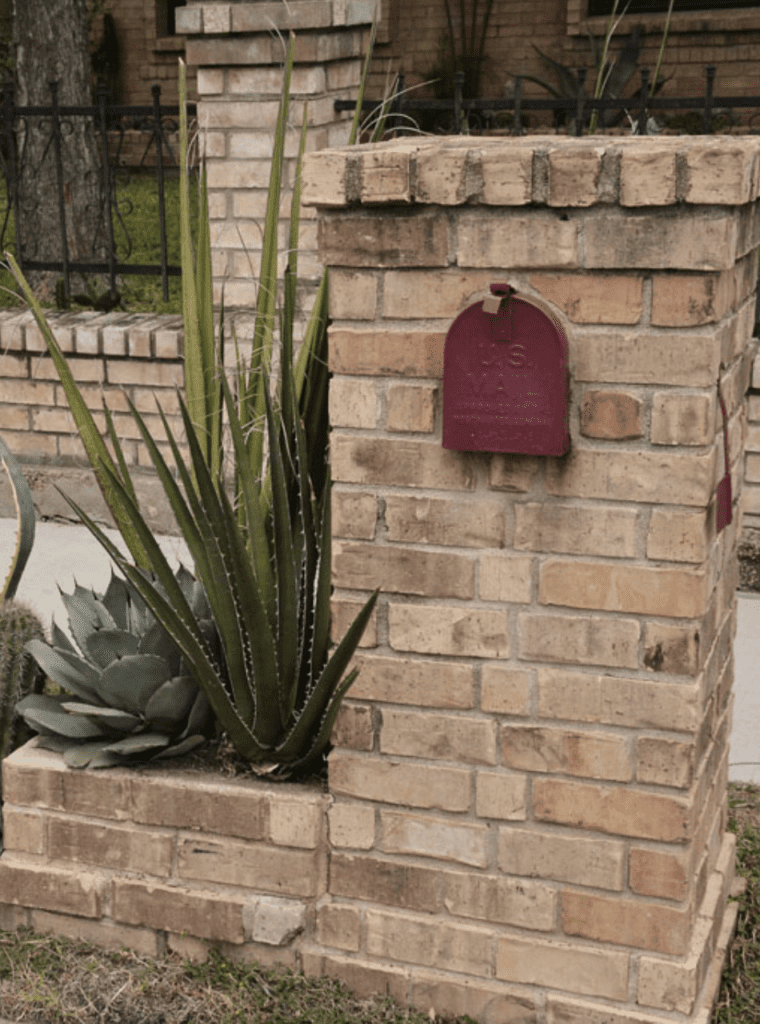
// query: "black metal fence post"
[[641, 124], [158, 136], [103, 117], [517, 119], [708, 110], [12, 181], [458, 89], [580, 107], [61, 199]]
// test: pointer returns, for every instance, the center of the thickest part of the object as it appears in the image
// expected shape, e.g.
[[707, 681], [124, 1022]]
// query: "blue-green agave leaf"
[[158, 642], [68, 670], [74, 726], [108, 645], [86, 613], [90, 755], [130, 682], [111, 718], [169, 706], [61, 639], [177, 749], [138, 744], [116, 601]]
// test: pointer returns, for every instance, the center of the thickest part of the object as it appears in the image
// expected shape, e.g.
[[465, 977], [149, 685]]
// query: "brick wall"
[[530, 791]]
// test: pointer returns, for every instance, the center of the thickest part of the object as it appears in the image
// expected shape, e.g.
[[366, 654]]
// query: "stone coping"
[[540, 169], [220, 18]]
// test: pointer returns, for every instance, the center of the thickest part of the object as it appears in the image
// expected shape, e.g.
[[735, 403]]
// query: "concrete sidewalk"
[[64, 552]]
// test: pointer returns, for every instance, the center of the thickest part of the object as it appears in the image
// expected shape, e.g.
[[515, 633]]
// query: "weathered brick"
[[388, 882], [593, 298], [512, 472], [21, 392], [49, 887], [440, 521], [441, 176], [617, 811], [353, 403], [129, 371], [718, 174], [657, 873], [339, 926], [402, 570], [675, 649], [664, 762], [626, 923], [690, 300], [411, 407], [574, 175], [587, 971], [563, 1010], [647, 176], [353, 294], [690, 360], [386, 353], [676, 536], [680, 593], [276, 869], [219, 808], [507, 177], [402, 463], [205, 914], [424, 836], [343, 613], [415, 294], [489, 1002], [351, 826], [504, 691], [592, 754], [385, 177], [575, 529], [501, 795], [419, 239], [633, 476], [429, 941], [509, 239], [447, 737], [14, 365], [120, 847], [598, 863], [23, 831], [682, 419], [579, 639], [399, 782], [437, 684], [455, 630], [364, 977], [502, 900], [103, 933], [353, 727], [505, 578], [296, 820], [354, 514], [611, 415]]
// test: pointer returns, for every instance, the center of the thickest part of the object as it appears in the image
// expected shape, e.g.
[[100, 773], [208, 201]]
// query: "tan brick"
[[680, 593], [354, 514], [353, 403], [14, 366], [339, 926], [617, 239], [611, 415], [425, 836], [664, 762], [429, 941], [23, 831], [353, 727], [678, 650], [564, 966], [296, 821], [201, 913], [277, 870], [593, 298], [129, 371], [343, 613], [103, 933], [415, 294], [507, 239], [593, 755], [503, 796], [647, 358], [579, 639], [456, 630], [111, 846], [441, 176], [399, 782], [574, 175], [657, 873], [676, 536], [671, 986], [411, 407], [682, 419], [49, 887], [647, 176], [220, 808], [402, 570], [690, 300], [562, 1010], [401, 463], [617, 811], [364, 977], [489, 1002], [507, 177], [22, 392], [447, 737], [597, 863], [718, 174], [17, 417], [385, 881], [512, 472], [501, 900], [361, 240], [386, 353], [575, 530], [353, 294], [504, 691], [476, 524], [505, 578], [385, 177], [626, 923], [436, 684], [633, 476], [351, 826]]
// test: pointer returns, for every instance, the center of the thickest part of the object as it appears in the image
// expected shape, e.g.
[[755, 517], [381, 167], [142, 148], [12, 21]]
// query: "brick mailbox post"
[[529, 778]]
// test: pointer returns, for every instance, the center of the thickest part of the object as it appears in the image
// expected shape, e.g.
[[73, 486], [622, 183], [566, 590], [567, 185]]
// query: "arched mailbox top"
[[505, 378]]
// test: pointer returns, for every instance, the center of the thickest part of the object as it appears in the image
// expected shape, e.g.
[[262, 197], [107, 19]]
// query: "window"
[[599, 7]]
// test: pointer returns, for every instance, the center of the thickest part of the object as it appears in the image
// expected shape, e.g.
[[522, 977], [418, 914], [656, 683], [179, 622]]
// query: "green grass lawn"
[[138, 201]]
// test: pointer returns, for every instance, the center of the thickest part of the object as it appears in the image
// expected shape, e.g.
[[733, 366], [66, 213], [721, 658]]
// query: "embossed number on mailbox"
[[505, 378]]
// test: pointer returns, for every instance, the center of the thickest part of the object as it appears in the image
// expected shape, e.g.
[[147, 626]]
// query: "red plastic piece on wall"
[[505, 378]]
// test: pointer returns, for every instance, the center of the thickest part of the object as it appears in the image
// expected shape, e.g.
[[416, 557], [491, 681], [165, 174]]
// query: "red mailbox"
[[505, 378]]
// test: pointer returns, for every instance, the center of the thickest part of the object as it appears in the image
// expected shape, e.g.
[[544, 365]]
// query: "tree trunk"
[[52, 45]]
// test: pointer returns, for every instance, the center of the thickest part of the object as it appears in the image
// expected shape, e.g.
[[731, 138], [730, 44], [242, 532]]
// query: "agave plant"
[[127, 692]]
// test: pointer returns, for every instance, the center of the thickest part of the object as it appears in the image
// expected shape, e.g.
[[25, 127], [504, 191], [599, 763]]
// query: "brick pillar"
[[529, 777], [239, 56]]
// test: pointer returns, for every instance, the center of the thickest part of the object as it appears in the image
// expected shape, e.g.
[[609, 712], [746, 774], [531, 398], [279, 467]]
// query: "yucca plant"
[[127, 695]]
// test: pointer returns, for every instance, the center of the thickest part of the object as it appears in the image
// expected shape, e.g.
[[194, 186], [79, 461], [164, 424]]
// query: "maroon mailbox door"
[[505, 379]]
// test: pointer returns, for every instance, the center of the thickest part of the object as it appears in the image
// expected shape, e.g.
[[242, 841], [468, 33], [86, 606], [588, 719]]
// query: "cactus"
[[20, 674]]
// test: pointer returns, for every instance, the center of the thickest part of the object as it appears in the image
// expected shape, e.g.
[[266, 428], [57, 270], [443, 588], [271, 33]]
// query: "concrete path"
[[64, 552]]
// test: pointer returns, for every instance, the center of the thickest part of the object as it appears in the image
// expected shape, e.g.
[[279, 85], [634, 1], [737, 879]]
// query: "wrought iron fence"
[[110, 123], [459, 114]]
